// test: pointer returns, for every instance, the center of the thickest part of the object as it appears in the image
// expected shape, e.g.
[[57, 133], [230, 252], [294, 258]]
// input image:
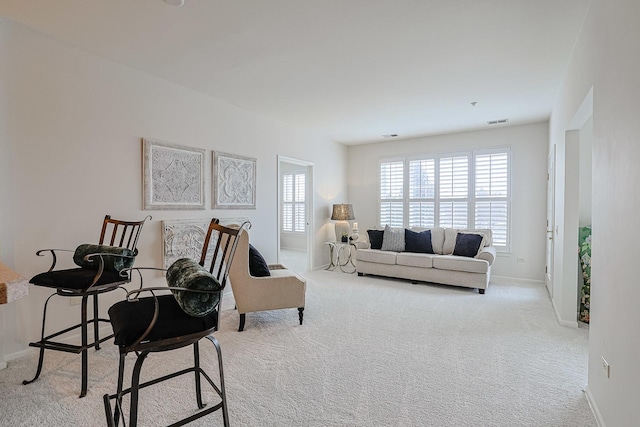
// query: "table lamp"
[[342, 213]]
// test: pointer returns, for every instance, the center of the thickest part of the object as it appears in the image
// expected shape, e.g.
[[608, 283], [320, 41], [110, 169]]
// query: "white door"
[[551, 175]]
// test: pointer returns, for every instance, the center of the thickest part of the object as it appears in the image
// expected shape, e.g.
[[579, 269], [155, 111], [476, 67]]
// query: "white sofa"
[[440, 267]]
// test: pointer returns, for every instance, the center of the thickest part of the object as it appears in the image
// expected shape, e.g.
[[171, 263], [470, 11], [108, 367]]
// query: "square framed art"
[[173, 176], [234, 181]]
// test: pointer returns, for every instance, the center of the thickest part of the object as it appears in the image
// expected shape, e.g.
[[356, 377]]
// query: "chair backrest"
[[225, 242], [120, 233]]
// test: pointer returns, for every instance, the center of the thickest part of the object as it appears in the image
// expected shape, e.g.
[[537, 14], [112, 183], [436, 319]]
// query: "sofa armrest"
[[362, 244], [488, 253]]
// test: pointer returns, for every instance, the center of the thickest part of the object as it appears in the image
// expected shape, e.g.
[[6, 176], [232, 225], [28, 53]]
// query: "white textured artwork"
[[234, 181], [184, 238], [173, 176]]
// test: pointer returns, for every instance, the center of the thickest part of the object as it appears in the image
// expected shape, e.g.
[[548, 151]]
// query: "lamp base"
[[342, 228]]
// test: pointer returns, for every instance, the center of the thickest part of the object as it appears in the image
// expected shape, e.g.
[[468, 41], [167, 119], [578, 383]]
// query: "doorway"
[[295, 207]]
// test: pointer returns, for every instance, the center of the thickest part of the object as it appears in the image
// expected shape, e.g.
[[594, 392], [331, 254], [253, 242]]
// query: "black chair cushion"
[[75, 278], [113, 262], [130, 319], [185, 273]]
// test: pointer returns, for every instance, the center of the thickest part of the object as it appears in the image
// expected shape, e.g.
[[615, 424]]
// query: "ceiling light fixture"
[[177, 3], [390, 135]]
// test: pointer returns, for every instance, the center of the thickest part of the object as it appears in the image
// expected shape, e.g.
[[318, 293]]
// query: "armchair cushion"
[[258, 267], [188, 274], [76, 279], [111, 263]]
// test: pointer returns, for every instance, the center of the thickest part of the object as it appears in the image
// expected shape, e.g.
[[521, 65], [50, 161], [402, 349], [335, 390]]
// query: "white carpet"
[[371, 352]]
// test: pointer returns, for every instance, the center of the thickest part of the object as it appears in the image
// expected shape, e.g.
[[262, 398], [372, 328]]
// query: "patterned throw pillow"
[[392, 240]]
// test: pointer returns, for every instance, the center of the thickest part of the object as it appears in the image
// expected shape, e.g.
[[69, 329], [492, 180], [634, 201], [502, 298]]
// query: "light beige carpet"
[[371, 352]]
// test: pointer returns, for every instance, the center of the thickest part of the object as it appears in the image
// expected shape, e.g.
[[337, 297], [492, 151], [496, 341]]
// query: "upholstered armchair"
[[282, 289]]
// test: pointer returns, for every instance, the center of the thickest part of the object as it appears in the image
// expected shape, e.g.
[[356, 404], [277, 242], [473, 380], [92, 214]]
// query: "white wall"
[[605, 58], [73, 127], [529, 171]]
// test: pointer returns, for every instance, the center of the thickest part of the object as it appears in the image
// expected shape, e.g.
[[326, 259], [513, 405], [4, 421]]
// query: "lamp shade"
[[342, 212]]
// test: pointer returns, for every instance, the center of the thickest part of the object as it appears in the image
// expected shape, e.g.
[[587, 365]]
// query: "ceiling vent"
[[496, 122]]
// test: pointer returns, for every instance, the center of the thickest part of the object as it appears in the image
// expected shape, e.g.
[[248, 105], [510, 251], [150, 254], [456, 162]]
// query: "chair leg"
[[300, 313], [96, 324], [223, 393], [85, 355], [241, 327], [118, 410], [135, 383], [196, 364], [41, 357]]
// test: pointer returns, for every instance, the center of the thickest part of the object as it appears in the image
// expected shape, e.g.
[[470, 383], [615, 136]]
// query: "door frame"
[[551, 198], [309, 191]]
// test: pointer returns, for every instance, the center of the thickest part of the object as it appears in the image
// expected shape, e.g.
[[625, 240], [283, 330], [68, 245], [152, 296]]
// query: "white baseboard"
[[561, 321], [594, 408], [515, 280]]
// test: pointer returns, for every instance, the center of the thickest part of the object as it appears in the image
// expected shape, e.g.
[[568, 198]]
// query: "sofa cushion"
[[418, 242], [411, 259], [375, 238], [392, 240], [449, 244], [468, 244], [377, 256], [459, 263], [437, 239]]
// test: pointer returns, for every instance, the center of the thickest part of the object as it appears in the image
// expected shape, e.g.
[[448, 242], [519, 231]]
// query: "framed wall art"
[[173, 176], [184, 238], [234, 181]]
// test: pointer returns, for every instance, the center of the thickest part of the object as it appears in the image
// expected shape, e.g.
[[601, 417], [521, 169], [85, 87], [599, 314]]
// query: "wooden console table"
[[13, 286]]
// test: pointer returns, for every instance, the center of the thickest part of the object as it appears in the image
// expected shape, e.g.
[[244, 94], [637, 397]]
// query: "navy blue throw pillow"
[[375, 238], [467, 244], [418, 242], [258, 267]]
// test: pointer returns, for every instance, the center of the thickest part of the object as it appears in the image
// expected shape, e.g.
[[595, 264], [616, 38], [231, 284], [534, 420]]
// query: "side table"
[[339, 259]]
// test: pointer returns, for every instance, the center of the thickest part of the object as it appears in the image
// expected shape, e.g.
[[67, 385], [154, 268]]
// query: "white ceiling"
[[352, 70]]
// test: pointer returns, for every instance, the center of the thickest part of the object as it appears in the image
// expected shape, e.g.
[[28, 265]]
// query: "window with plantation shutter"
[[422, 193], [492, 194], [300, 203], [467, 190], [294, 202], [454, 192], [392, 193]]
